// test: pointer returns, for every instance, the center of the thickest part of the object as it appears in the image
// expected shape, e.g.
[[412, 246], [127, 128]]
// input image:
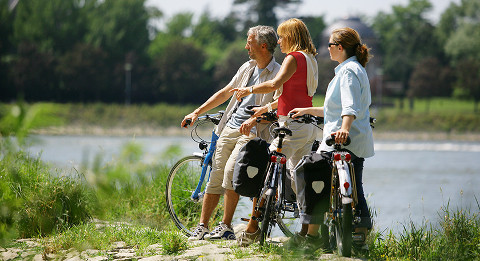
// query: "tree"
[[459, 28], [181, 77], [406, 37], [316, 25], [53, 25], [262, 11], [429, 79], [33, 73], [83, 74], [6, 50], [235, 56]]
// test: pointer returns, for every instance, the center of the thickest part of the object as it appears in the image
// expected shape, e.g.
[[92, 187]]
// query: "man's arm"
[[214, 101]]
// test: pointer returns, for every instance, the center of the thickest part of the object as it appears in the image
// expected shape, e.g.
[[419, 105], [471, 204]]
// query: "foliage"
[[173, 242], [101, 236], [459, 30], [262, 11], [457, 237], [468, 79], [429, 80], [35, 201], [406, 37], [184, 83]]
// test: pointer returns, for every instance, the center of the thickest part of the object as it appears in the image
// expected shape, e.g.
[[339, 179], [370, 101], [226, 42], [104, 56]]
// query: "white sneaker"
[[199, 233], [221, 231], [246, 239]]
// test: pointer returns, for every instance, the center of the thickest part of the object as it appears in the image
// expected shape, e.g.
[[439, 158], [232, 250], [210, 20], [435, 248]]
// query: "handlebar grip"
[[249, 108], [187, 122], [331, 140]]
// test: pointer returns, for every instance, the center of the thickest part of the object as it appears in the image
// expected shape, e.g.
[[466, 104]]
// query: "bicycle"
[[341, 216], [272, 205], [186, 182]]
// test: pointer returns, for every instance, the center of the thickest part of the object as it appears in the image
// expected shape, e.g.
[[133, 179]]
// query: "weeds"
[[173, 242], [457, 237]]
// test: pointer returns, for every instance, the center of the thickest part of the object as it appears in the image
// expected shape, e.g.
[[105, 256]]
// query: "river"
[[405, 180]]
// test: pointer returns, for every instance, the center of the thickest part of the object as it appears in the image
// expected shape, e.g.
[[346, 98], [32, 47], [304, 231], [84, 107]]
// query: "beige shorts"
[[228, 146]]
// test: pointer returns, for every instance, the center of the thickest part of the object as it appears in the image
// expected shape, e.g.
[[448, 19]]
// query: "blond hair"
[[295, 34]]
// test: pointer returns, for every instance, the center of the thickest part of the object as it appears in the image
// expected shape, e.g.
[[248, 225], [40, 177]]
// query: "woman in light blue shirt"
[[346, 110]]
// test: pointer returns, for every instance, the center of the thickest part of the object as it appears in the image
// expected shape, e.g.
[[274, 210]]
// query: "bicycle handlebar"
[[214, 118], [331, 140], [307, 118]]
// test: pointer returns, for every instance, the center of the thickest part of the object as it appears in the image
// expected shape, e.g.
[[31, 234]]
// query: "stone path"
[[31, 249], [200, 250]]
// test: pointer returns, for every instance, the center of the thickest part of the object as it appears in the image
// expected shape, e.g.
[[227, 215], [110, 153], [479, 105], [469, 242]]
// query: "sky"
[[331, 10]]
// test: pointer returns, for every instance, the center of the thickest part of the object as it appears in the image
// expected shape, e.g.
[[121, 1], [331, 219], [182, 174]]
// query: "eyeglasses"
[[330, 44]]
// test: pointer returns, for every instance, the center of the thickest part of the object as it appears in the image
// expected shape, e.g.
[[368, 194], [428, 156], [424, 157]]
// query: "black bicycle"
[[273, 205]]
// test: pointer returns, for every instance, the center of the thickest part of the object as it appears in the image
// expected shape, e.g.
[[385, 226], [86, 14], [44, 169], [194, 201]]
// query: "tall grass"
[[455, 237], [33, 201]]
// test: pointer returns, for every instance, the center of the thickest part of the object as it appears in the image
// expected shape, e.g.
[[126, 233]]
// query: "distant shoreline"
[[140, 131]]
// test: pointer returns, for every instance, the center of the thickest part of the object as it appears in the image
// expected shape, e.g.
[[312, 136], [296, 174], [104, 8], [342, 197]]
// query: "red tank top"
[[295, 93]]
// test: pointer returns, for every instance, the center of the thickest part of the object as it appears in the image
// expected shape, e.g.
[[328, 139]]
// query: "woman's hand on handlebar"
[[341, 136], [189, 119], [297, 112]]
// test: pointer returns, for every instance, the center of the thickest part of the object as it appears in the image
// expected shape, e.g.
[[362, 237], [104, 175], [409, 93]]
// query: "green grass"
[[456, 236]]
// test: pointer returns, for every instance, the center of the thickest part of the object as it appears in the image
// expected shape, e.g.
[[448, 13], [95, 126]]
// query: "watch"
[[251, 89]]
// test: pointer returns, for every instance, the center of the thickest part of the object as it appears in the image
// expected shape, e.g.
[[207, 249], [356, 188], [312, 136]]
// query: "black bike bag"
[[250, 168]]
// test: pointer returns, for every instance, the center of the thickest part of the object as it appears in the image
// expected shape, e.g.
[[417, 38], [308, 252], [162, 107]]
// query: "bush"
[[35, 202]]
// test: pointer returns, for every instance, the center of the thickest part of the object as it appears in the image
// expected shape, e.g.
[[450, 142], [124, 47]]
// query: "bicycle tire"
[[343, 230], [267, 217], [287, 215], [181, 183], [288, 223]]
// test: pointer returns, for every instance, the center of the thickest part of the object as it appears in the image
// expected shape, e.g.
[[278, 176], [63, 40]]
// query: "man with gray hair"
[[236, 128]]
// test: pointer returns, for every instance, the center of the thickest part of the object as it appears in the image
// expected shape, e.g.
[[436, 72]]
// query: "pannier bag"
[[250, 166], [312, 179]]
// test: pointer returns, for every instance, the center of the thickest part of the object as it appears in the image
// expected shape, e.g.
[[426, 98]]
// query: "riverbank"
[[137, 131], [38, 249]]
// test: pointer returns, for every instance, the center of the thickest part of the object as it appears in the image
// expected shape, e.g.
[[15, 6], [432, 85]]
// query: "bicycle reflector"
[[346, 185], [280, 159], [337, 157], [348, 157]]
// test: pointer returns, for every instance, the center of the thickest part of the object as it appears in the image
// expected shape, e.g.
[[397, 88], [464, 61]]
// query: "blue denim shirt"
[[349, 94]]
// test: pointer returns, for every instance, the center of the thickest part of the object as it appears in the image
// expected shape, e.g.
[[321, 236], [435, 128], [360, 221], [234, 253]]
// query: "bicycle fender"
[[344, 177]]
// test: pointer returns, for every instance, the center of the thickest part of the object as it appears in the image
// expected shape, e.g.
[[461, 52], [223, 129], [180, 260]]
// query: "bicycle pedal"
[[358, 237], [245, 219]]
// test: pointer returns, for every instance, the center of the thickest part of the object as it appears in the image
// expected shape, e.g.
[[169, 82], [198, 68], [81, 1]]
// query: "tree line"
[[113, 51]]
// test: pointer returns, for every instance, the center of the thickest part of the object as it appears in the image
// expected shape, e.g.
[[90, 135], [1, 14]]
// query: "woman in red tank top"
[[298, 76]]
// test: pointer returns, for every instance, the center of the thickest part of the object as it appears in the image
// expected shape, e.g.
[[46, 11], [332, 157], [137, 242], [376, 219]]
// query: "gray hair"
[[265, 34]]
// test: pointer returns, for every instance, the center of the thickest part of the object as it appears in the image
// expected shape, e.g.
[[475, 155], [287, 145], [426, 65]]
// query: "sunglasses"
[[330, 44]]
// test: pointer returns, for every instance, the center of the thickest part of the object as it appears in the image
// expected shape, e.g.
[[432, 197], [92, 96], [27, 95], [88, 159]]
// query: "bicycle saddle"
[[279, 130]]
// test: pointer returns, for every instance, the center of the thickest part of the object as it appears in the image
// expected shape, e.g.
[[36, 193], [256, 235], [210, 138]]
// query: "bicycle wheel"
[[288, 220], [343, 230], [287, 215], [267, 218], [181, 183]]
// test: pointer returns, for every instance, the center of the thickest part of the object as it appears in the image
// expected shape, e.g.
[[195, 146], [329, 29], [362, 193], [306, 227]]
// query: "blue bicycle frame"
[[208, 158]]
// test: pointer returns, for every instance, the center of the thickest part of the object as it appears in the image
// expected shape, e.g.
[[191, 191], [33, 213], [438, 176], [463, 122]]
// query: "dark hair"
[[265, 34], [351, 41]]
